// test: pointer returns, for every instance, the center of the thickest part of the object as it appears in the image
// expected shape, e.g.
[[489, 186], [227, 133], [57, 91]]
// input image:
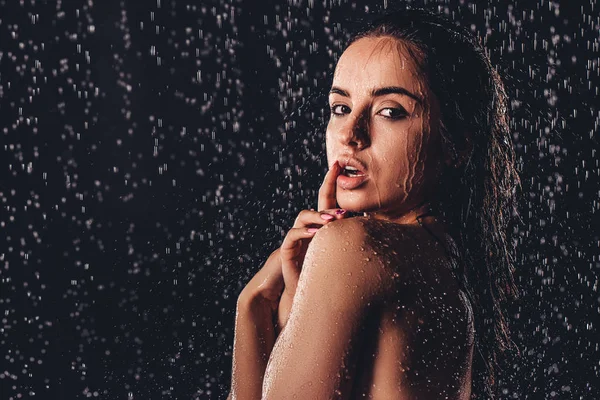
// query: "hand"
[[275, 284], [294, 246]]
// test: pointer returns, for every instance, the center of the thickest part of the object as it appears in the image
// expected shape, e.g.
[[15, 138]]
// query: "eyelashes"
[[396, 113], [332, 109]]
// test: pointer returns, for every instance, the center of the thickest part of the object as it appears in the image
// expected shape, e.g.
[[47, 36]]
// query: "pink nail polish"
[[312, 230], [340, 211], [327, 216]]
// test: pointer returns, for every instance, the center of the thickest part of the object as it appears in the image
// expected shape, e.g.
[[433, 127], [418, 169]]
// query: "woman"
[[405, 301]]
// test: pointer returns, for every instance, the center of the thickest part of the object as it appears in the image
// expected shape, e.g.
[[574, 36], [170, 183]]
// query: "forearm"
[[253, 342]]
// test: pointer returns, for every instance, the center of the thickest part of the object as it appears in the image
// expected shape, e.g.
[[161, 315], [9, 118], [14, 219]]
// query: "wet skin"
[[418, 343], [377, 314], [395, 135], [376, 293]]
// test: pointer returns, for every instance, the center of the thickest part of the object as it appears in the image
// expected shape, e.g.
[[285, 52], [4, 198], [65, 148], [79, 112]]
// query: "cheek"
[[404, 159], [329, 150]]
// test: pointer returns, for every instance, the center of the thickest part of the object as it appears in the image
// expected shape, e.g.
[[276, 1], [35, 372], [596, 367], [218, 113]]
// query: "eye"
[[396, 113], [333, 108]]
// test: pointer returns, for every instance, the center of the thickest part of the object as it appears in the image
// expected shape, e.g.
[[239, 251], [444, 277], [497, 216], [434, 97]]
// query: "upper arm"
[[314, 354]]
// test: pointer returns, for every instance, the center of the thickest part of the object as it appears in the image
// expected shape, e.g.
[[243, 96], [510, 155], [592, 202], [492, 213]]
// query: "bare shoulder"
[[342, 281], [407, 257], [424, 278], [396, 245], [356, 269], [411, 250], [378, 255], [340, 257]]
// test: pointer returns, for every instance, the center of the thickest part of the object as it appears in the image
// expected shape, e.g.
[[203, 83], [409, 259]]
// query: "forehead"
[[377, 62]]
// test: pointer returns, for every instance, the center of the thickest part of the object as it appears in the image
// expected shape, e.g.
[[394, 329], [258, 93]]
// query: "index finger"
[[327, 191]]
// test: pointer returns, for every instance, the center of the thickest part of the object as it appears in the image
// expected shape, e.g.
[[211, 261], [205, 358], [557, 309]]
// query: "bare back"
[[419, 343]]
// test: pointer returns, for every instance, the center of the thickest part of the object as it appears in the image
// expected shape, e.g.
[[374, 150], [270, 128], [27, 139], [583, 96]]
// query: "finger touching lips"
[[327, 192]]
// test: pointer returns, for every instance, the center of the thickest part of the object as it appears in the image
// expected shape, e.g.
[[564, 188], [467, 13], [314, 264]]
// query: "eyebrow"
[[380, 92]]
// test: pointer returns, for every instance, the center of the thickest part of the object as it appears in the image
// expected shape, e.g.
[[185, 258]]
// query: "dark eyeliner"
[[333, 107], [402, 111]]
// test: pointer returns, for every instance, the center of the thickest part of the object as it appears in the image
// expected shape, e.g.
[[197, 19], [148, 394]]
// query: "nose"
[[355, 131]]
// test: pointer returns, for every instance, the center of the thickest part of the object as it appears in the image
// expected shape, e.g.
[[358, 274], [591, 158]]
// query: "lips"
[[354, 180], [351, 182], [353, 162]]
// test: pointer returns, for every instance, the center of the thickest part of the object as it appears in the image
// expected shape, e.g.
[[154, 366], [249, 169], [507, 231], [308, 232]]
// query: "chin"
[[356, 205]]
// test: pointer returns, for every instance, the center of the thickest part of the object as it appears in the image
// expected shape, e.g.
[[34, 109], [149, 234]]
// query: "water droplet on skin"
[[362, 248], [343, 249], [367, 259]]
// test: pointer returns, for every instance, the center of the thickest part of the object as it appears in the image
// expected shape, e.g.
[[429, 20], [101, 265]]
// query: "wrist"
[[263, 294], [255, 306]]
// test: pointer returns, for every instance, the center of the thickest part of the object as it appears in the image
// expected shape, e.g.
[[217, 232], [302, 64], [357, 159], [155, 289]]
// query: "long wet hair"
[[479, 199]]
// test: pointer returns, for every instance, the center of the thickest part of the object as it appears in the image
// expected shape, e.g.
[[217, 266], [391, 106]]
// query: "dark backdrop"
[[153, 153]]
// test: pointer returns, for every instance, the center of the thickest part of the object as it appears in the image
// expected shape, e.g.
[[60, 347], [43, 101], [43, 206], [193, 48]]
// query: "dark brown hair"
[[479, 193]]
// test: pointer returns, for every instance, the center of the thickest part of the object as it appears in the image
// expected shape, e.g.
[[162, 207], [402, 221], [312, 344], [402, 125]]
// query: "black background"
[[153, 154]]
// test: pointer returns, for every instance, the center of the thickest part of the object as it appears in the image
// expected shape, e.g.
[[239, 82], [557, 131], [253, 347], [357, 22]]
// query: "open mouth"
[[351, 171]]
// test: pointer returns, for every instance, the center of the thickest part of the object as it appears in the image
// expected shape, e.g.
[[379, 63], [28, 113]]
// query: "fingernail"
[[312, 230], [326, 216], [340, 211]]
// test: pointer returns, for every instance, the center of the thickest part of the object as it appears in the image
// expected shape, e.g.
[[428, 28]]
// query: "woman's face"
[[384, 116]]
